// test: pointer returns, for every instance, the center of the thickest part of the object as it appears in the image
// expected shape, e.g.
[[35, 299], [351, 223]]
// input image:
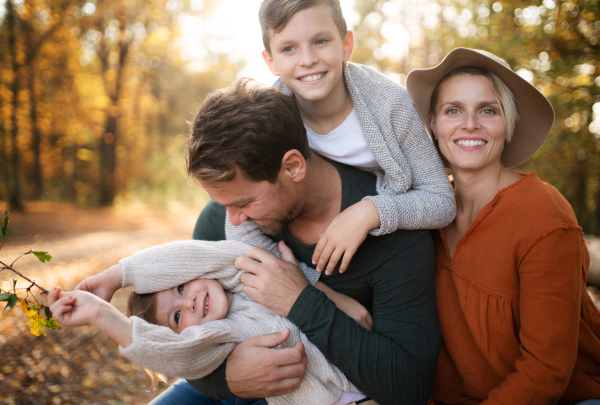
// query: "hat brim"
[[536, 114]]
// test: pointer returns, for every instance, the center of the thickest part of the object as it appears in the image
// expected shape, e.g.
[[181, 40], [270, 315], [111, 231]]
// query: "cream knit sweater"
[[198, 350]]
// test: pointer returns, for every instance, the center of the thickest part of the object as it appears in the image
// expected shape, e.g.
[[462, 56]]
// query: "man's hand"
[[105, 284], [344, 235], [273, 282], [255, 370]]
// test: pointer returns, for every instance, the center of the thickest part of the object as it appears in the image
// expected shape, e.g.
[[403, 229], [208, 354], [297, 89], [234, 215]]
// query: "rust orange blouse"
[[518, 325]]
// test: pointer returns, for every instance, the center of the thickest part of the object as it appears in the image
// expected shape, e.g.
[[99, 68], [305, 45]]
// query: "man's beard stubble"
[[276, 226]]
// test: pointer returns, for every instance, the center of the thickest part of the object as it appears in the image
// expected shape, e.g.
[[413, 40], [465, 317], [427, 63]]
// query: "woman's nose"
[[471, 123]]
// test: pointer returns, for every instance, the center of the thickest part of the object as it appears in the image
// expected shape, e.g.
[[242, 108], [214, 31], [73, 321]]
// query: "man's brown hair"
[[275, 14], [248, 126]]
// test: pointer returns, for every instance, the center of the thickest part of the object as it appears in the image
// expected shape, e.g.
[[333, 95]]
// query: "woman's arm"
[[551, 287]]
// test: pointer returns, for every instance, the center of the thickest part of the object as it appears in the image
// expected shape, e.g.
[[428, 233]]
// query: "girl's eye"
[[180, 288], [177, 316]]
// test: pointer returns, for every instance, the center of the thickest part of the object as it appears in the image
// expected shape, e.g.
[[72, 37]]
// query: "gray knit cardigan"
[[198, 350], [413, 188]]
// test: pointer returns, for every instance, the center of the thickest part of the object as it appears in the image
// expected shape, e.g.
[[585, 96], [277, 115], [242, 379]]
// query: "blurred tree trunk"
[[35, 133], [14, 190], [112, 70]]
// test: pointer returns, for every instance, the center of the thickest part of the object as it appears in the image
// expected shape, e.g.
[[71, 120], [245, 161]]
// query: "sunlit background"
[[95, 95]]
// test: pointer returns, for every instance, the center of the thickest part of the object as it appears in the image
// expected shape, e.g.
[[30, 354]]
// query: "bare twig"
[[33, 283]]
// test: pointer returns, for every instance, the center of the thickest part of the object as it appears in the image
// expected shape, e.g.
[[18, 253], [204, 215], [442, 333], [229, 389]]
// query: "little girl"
[[192, 290]]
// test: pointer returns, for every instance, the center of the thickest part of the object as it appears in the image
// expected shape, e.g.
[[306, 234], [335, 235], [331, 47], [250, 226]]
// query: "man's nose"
[[236, 216]]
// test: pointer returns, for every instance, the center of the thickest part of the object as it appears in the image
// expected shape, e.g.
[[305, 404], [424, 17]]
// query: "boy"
[[367, 121]]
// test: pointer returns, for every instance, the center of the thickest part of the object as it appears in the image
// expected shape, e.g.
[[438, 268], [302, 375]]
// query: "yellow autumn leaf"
[[38, 323]]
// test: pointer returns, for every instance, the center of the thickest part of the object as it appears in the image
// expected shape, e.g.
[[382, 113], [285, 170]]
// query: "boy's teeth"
[[469, 144], [312, 78]]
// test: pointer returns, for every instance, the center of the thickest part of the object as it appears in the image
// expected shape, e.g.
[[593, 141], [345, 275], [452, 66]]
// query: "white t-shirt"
[[345, 144]]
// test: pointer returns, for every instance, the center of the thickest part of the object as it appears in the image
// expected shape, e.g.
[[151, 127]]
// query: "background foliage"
[[94, 94]]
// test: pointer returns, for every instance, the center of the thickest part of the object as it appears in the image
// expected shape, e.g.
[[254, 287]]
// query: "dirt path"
[[75, 366]]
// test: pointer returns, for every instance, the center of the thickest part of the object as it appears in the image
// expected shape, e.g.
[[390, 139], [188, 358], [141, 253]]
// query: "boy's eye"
[[177, 316], [180, 288], [288, 49], [321, 41]]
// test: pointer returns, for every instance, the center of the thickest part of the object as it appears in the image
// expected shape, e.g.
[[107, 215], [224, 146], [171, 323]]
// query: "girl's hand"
[[104, 284], [75, 308], [344, 235], [348, 305]]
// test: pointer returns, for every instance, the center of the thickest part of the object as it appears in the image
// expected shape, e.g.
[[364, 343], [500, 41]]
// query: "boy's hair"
[[144, 306], [248, 126], [275, 14], [505, 98]]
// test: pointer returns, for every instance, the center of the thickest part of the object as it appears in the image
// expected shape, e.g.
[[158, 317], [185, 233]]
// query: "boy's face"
[[309, 52], [193, 303]]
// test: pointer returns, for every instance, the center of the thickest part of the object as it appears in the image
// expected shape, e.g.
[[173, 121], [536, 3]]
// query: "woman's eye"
[[177, 316], [489, 111], [452, 111], [180, 288]]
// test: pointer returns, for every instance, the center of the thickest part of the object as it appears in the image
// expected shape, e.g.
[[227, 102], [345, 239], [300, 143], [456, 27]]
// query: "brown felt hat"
[[535, 112]]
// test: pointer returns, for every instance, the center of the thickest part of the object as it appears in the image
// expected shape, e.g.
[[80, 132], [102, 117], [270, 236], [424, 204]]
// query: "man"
[[248, 149]]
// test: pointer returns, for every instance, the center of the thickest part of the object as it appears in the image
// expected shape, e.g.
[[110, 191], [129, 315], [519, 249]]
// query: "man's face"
[[272, 206]]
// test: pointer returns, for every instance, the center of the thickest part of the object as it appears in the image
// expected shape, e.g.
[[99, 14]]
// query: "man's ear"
[[293, 165], [348, 46], [269, 61]]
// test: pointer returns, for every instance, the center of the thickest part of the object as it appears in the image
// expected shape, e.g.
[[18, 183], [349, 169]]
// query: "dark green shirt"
[[392, 276]]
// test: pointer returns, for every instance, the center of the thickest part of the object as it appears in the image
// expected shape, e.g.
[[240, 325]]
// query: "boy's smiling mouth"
[[312, 78]]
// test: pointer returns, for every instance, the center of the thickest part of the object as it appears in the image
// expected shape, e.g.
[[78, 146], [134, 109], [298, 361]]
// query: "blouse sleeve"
[[429, 203], [551, 286]]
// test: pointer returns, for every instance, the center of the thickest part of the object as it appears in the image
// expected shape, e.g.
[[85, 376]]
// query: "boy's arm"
[[429, 203], [348, 305]]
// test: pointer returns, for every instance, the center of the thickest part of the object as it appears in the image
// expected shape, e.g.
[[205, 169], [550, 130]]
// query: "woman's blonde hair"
[[507, 101], [144, 306]]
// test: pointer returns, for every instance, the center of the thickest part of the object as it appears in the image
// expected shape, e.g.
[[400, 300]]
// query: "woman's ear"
[[432, 125], [293, 165]]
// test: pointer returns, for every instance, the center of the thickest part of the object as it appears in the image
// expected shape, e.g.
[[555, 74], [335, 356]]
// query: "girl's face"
[[192, 303], [468, 122]]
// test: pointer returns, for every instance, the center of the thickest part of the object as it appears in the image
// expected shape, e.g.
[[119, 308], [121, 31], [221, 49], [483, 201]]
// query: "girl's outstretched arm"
[[79, 308]]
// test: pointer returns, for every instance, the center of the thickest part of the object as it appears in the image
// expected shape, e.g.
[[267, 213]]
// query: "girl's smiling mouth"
[[206, 305]]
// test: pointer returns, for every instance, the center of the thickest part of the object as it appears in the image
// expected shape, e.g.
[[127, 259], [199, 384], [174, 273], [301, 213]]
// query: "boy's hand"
[[104, 284], [344, 235], [75, 308]]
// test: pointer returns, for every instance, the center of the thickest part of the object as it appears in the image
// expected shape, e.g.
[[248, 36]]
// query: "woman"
[[518, 325]]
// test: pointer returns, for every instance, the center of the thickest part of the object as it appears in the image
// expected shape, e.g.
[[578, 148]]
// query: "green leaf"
[[47, 312], [4, 228], [14, 283], [12, 301], [42, 256], [5, 296]]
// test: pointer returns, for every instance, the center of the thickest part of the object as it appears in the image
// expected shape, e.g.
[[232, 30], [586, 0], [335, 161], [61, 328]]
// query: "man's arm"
[[395, 363]]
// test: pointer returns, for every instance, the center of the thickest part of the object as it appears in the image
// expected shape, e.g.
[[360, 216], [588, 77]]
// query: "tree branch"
[[33, 283]]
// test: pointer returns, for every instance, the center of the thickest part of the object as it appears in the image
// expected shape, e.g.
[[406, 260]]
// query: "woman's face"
[[468, 122]]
